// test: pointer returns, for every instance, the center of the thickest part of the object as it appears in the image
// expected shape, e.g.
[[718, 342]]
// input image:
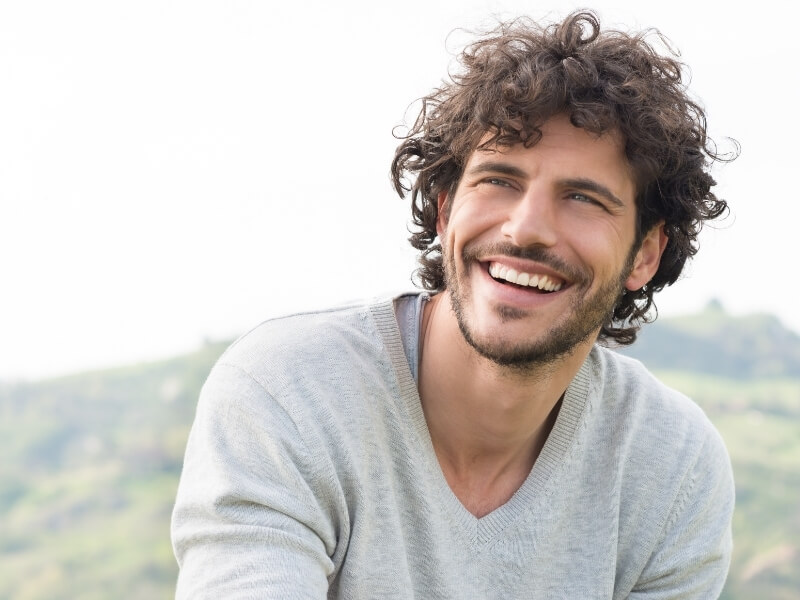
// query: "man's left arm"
[[692, 559]]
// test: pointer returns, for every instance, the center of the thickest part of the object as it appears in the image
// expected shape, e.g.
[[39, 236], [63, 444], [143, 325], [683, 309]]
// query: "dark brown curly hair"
[[521, 74]]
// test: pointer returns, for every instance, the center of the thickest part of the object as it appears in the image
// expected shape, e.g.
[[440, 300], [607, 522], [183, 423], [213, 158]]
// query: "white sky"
[[171, 171]]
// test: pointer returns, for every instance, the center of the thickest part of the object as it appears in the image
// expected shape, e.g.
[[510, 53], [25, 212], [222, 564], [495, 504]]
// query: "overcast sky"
[[174, 171]]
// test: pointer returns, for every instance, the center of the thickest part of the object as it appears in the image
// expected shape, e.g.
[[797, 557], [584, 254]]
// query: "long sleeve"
[[252, 516], [692, 559], [310, 474]]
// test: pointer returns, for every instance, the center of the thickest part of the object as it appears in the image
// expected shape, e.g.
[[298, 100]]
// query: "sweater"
[[310, 474]]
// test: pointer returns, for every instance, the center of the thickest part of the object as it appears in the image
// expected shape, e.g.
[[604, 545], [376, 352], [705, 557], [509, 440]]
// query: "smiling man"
[[478, 440]]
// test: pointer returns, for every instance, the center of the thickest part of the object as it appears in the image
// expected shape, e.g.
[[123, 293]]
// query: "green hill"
[[91, 461], [90, 465], [713, 342]]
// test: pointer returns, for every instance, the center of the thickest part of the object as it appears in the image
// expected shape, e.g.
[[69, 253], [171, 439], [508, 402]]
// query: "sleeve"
[[254, 517], [692, 559]]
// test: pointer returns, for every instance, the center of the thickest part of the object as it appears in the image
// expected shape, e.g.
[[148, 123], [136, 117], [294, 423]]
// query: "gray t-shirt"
[[408, 311], [310, 473]]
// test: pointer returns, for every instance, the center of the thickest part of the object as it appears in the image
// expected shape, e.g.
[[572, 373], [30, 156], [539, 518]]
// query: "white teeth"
[[543, 282]]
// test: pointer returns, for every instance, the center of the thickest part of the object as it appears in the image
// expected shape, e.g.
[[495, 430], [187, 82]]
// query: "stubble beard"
[[587, 313]]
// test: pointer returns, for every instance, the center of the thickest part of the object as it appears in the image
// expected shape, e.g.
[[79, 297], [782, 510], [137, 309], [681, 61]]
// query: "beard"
[[584, 318]]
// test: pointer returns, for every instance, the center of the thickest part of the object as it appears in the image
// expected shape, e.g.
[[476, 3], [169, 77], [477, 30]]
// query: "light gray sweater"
[[310, 473]]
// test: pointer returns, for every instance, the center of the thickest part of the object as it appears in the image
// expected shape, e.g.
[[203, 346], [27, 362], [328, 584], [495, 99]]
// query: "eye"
[[581, 197], [497, 181]]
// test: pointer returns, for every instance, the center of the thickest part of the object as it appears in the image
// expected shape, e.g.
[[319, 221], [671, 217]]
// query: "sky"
[[178, 171]]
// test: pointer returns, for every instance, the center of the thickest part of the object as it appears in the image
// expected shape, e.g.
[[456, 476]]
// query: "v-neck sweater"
[[310, 473]]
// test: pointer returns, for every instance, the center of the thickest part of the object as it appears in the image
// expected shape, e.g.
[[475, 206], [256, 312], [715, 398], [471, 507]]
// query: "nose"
[[531, 220]]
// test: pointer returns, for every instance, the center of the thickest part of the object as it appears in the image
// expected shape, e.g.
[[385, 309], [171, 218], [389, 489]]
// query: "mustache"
[[474, 252]]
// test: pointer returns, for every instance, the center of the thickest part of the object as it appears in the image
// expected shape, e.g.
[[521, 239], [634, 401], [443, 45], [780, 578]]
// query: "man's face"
[[538, 244]]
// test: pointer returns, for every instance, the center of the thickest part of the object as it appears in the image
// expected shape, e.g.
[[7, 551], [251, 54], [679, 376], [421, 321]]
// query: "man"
[[476, 442]]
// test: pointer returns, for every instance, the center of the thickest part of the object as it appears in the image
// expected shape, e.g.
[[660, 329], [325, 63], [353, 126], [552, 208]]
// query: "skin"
[[497, 358]]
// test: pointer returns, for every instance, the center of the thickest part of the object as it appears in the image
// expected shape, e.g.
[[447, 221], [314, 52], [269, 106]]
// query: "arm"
[[254, 517], [692, 559]]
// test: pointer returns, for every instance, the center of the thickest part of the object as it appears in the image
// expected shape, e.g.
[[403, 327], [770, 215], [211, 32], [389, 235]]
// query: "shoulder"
[[663, 433], [303, 330], [675, 482], [313, 341], [313, 365], [628, 389]]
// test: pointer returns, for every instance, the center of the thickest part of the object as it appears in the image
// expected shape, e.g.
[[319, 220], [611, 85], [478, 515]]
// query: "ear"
[[647, 259], [442, 212]]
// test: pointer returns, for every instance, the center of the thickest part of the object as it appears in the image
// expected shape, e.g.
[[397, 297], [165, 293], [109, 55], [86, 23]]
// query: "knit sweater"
[[310, 474]]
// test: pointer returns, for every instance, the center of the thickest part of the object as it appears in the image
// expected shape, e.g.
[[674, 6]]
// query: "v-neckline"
[[534, 489]]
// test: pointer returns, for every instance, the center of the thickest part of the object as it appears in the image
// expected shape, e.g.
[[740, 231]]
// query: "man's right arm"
[[252, 517]]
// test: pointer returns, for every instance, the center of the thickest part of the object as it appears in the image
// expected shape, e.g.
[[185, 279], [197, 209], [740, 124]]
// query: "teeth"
[[543, 282]]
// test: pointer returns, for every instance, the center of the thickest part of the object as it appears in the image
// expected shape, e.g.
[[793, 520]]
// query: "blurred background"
[[174, 172]]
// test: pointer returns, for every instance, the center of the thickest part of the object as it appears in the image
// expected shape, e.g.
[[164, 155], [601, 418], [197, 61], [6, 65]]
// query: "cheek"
[[470, 220], [603, 247]]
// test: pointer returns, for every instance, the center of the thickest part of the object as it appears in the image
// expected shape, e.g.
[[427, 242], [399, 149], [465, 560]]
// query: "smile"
[[542, 282]]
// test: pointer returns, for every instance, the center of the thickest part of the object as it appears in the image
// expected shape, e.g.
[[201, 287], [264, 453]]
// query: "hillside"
[[715, 343], [90, 467], [91, 461]]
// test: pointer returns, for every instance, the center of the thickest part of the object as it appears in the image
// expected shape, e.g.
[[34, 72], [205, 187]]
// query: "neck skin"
[[488, 423]]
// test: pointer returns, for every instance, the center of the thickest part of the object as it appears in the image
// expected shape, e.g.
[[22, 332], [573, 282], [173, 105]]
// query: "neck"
[[487, 422]]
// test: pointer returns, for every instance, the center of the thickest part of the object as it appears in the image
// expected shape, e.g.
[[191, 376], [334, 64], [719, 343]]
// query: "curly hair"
[[518, 76]]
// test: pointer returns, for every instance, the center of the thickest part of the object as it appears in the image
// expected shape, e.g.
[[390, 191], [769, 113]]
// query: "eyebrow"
[[496, 167], [591, 185]]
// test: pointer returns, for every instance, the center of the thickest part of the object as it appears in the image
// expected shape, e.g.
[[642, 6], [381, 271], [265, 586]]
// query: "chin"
[[526, 353]]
